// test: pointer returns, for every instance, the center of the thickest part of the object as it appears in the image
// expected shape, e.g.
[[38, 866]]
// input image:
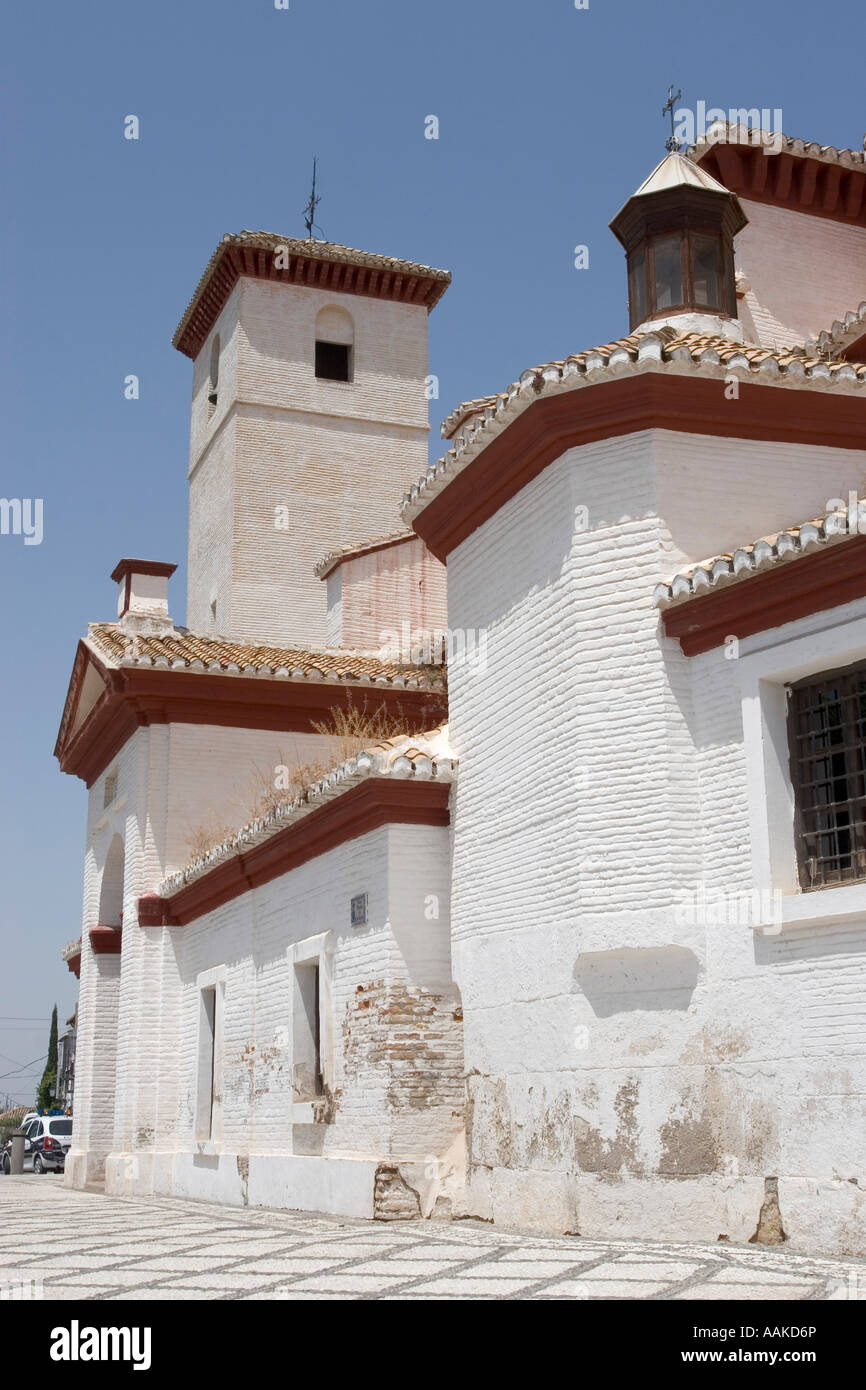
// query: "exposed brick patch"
[[393, 1198], [770, 1230]]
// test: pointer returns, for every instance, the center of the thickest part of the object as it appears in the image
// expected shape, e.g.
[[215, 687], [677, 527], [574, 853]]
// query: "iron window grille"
[[827, 744]]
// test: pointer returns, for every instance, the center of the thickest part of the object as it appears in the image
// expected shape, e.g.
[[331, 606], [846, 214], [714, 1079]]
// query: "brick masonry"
[[337, 455], [805, 272], [628, 1071], [622, 1070], [365, 593]]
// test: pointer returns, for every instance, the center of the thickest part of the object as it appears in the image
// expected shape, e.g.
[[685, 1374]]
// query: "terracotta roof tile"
[[656, 349], [451, 424], [733, 566], [425, 757], [726, 133], [236, 253], [323, 567], [840, 335], [181, 650]]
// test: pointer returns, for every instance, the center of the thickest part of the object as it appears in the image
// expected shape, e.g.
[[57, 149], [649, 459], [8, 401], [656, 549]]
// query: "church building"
[[501, 853]]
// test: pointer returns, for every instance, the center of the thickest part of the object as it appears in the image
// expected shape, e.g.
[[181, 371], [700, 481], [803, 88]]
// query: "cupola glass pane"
[[667, 258], [707, 270], [637, 287]]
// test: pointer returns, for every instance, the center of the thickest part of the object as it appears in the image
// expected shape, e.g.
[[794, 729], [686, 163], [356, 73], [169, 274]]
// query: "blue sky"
[[549, 118]]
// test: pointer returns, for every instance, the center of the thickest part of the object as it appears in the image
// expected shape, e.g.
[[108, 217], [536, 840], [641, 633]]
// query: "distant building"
[[66, 1064], [608, 978]]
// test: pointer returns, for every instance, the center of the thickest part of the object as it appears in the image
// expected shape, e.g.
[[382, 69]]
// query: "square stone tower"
[[309, 421]]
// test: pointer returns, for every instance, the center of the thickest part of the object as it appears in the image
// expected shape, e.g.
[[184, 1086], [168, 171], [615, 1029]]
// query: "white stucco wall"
[[717, 494], [171, 780], [392, 1036], [631, 1072]]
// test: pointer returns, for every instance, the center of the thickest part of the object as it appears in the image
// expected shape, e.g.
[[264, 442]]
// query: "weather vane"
[[672, 144], [310, 210]]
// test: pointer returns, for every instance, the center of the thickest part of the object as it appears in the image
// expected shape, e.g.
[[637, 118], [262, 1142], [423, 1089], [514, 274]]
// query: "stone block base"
[[817, 1216]]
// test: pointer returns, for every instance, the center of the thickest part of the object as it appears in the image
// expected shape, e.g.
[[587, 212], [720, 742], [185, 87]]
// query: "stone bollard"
[[16, 1164]]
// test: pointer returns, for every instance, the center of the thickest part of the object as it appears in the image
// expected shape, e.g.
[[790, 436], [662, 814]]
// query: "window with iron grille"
[[827, 740]]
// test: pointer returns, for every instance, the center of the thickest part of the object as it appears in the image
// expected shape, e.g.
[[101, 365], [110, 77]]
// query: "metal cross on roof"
[[310, 209], [672, 144]]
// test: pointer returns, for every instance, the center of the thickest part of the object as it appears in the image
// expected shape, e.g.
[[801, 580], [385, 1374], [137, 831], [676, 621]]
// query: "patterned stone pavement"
[[84, 1245]]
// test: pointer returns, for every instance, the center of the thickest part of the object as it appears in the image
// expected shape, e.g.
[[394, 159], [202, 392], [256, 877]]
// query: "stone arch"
[[335, 325]]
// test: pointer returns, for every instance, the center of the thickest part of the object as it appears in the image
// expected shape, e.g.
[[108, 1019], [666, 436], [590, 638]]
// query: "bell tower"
[[309, 421]]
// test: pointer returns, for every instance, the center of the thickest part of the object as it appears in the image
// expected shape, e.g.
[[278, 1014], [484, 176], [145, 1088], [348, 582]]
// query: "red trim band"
[[796, 182], [649, 400], [377, 801], [105, 941], [136, 697], [808, 585]]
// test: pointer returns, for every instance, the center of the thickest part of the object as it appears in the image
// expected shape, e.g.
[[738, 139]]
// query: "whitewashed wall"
[[394, 1035], [171, 779], [630, 1073]]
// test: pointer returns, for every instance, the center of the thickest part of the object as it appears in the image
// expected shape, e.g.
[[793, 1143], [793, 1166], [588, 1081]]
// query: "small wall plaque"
[[359, 910]]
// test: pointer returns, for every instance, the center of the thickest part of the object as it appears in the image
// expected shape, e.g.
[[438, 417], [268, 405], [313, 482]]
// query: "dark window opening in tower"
[[333, 361], [213, 382]]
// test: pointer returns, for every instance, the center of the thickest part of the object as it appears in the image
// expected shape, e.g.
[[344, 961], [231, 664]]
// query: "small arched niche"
[[111, 890], [335, 344]]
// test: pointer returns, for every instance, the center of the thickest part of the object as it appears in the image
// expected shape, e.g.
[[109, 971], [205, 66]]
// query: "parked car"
[[46, 1143]]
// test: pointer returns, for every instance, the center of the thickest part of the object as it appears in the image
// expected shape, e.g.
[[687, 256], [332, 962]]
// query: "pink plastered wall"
[[372, 594], [803, 271]]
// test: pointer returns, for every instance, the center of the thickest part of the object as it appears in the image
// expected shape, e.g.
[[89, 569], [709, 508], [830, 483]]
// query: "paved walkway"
[[84, 1245]]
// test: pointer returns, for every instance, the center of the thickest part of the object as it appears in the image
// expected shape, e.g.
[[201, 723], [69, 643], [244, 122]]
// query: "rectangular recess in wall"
[[206, 1063], [307, 1032]]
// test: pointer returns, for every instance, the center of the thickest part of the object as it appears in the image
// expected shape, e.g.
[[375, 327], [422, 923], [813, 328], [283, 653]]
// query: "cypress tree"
[[46, 1088]]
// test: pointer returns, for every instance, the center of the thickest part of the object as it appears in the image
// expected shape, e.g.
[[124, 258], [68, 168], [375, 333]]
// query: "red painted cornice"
[[811, 584], [797, 182], [136, 697], [646, 400], [105, 941], [377, 801], [856, 351], [409, 284], [124, 568]]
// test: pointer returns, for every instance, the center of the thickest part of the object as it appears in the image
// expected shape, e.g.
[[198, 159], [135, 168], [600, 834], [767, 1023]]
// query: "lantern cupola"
[[678, 231]]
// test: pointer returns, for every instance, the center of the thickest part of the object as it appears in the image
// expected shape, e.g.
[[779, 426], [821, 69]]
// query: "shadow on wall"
[[111, 887], [652, 978]]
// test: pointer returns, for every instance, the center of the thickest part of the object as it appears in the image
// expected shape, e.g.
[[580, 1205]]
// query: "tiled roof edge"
[[410, 755], [397, 676], [841, 333], [315, 250], [746, 135], [660, 350], [756, 557], [332, 558]]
